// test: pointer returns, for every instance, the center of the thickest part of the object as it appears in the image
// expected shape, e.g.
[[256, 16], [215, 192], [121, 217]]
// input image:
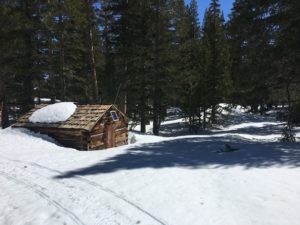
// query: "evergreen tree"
[[71, 64], [22, 47], [216, 77], [126, 43], [136, 48], [285, 16], [186, 44], [159, 58], [251, 45], [91, 31]]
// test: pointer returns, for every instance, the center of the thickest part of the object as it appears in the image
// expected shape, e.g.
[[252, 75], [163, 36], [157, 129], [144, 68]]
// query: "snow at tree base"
[[58, 112], [183, 180]]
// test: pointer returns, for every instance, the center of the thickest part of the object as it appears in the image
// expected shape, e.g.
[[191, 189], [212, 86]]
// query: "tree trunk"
[[157, 93], [52, 79], [95, 89], [143, 115], [62, 58], [62, 66], [28, 93], [4, 114], [156, 117], [288, 132], [93, 69], [156, 124], [254, 108], [204, 118], [142, 104], [27, 98], [288, 95], [125, 103], [213, 113]]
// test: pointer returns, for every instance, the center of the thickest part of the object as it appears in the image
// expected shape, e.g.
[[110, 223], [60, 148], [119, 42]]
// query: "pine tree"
[[69, 51], [91, 30], [159, 55], [216, 77], [139, 42], [285, 16], [47, 51], [251, 45], [125, 37], [115, 25], [186, 43], [22, 58], [10, 44]]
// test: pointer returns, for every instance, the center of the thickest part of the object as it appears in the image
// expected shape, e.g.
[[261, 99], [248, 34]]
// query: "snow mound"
[[138, 138], [54, 113], [230, 109]]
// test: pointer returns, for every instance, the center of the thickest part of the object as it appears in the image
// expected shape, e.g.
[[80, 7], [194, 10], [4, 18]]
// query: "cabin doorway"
[[110, 135]]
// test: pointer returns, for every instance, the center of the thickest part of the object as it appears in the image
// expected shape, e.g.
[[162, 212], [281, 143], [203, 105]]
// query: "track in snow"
[[96, 185], [37, 190]]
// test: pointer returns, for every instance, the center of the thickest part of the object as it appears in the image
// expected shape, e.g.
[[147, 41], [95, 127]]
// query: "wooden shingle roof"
[[85, 117]]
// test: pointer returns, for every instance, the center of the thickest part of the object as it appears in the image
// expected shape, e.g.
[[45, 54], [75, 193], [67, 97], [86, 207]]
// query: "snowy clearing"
[[58, 112], [183, 180]]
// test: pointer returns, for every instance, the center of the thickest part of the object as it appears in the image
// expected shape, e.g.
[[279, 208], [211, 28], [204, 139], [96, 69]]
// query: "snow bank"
[[250, 125], [138, 138], [45, 100], [227, 109], [58, 112], [180, 180]]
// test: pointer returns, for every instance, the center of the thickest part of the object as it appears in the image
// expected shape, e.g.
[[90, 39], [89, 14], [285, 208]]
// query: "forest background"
[[146, 56]]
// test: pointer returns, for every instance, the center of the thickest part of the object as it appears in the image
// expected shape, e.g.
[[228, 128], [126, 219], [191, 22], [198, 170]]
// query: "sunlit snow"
[[54, 113], [171, 180]]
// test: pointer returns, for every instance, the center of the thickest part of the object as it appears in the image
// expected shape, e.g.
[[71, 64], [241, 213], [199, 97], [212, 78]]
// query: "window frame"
[[113, 117]]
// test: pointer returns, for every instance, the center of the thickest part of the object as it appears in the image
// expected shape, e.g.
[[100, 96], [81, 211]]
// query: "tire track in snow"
[[44, 196], [99, 186]]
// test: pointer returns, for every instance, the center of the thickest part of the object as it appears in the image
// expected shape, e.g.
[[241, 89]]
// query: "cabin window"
[[114, 115]]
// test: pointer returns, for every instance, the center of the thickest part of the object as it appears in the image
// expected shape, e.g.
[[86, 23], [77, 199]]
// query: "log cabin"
[[91, 127]]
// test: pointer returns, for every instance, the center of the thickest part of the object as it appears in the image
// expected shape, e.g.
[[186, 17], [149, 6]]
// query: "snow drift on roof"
[[54, 113]]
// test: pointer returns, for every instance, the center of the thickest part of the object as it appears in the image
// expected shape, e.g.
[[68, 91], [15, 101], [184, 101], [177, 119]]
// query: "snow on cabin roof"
[[53, 113], [85, 117]]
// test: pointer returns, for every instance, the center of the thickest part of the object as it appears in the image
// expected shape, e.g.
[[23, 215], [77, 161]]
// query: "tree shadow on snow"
[[265, 130], [197, 153], [182, 128]]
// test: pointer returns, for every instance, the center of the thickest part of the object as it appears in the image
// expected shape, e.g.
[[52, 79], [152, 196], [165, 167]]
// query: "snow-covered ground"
[[184, 180]]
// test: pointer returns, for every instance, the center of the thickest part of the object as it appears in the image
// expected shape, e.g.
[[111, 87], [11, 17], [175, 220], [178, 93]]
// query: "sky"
[[226, 6]]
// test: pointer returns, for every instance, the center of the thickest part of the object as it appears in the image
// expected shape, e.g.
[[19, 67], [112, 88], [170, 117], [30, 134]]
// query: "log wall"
[[106, 133], [70, 138]]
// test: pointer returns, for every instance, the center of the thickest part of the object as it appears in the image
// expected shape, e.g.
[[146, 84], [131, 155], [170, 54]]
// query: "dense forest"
[[146, 56]]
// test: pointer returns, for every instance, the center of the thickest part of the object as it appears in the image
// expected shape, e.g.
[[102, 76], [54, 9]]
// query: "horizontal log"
[[69, 139], [121, 140], [121, 143], [125, 134], [59, 131], [97, 131], [97, 142], [79, 146], [98, 127], [72, 143], [97, 135], [121, 129], [97, 146]]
